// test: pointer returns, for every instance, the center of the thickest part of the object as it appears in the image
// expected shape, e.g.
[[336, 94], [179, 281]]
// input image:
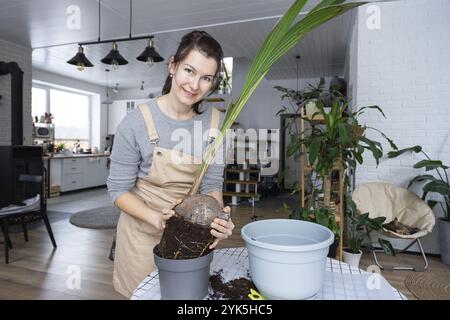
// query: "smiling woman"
[[149, 175], [195, 69]]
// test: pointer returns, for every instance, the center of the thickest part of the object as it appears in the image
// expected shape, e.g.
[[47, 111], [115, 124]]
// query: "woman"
[[147, 177]]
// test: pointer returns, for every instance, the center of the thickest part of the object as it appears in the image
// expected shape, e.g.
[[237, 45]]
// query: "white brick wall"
[[11, 52], [404, 68]]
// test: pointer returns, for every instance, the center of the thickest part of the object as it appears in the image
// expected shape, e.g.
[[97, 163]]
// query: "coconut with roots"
[[188, 232]]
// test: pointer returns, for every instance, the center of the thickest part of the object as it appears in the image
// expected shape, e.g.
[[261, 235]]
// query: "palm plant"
[[280, 40]]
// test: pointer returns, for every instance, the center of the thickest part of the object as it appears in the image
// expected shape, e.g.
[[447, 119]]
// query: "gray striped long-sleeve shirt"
[[132, 152]]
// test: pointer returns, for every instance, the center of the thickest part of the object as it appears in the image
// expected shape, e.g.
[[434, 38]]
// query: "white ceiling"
[[240, 26]]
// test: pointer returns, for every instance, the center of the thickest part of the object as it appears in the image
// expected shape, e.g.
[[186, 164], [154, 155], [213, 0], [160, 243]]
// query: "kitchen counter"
[[77, 171], [87, 155]]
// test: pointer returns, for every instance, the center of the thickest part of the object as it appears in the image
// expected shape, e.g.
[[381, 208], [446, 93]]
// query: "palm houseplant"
[[287, 32], [433, 184]]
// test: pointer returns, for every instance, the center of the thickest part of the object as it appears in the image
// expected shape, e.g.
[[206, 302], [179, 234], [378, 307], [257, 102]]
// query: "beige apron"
[[167, 181]]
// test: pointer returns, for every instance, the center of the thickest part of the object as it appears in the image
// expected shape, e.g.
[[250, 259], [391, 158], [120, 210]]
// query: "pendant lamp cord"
[[131, 14], [297, 57], [98, 20]]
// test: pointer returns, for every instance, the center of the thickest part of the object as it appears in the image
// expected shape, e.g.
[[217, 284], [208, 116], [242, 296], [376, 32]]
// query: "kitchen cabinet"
[[118, 110], [96, 171], [74, 173]]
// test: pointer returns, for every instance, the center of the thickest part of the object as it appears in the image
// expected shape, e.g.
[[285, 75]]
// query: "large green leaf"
[[325, 3], [358, 153], [420, 179], [314, 150], [394, 154], [344, 133], [372, 146], [430, 165], [437, 186], [322, 218], [387, 246], [391, 142], [360, 111]]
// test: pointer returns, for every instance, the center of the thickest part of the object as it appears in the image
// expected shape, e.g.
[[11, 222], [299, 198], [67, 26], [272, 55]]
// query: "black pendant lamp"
[[114, 58], [80, 60], [149, 55]]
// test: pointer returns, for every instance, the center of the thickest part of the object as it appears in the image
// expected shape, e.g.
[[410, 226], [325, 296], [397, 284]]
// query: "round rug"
[[98, 218], [429, 286]]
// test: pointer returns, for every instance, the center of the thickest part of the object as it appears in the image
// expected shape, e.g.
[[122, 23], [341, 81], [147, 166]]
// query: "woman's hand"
[[221, 229], [159, 221]]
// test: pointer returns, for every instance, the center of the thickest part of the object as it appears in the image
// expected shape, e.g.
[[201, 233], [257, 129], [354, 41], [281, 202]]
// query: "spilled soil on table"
[[237, 289]]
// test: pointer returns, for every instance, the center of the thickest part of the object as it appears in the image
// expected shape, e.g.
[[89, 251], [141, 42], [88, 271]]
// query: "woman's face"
[[193, 77]]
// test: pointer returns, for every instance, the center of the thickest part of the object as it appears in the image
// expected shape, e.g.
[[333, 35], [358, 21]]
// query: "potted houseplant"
[[438, 184], [340, 142], [357, 237]]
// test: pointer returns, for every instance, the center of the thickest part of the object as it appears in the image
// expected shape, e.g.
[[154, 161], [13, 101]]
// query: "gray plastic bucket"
[[287, 258], [184, 279]]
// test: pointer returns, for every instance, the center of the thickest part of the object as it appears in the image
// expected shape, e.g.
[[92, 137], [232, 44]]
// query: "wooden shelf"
[[241, 181], [239, 194], [243, 170]]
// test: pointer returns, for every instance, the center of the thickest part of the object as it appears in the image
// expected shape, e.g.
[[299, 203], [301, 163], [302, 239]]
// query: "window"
[[39, 102], [70, 111], [225, 88], [71, 115]]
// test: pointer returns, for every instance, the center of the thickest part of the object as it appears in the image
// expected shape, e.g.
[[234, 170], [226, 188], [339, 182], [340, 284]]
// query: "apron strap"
[[214, 125], [151, 129]]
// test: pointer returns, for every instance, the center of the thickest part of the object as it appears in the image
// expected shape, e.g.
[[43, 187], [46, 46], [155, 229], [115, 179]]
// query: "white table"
[[341, 282]]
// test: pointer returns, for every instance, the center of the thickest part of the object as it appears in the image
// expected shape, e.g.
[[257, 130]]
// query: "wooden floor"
[[36, 271], [397, 278]]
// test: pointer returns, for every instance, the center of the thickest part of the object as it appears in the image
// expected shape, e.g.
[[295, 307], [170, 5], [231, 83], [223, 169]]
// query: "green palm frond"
[[280, 40]]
